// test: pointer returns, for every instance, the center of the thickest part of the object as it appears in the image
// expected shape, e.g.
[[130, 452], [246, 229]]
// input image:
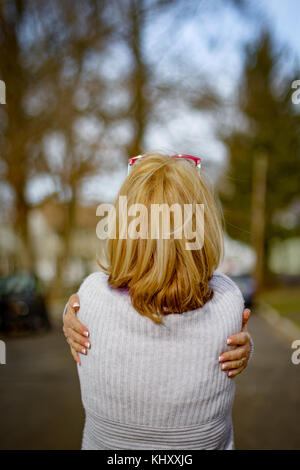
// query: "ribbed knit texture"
[[157, 386]]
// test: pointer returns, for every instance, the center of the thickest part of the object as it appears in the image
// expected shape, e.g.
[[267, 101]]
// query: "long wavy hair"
[[161, 274]]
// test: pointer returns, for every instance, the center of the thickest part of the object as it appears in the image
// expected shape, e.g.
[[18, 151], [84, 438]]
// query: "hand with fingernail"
[[233, 362], [77, 335]]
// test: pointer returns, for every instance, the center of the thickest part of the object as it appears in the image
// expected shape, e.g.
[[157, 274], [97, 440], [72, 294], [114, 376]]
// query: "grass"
[[286, 300]]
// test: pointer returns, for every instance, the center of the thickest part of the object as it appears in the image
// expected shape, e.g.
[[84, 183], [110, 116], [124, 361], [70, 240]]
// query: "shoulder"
[[227, 302], [225, 289], [224, 282], [94, 281], [92, 297]]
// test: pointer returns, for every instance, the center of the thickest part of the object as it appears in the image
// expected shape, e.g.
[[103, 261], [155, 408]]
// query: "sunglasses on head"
[[195, 161]]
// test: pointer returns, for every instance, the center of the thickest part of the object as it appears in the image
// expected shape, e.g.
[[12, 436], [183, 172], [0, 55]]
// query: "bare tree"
[[43, 49]]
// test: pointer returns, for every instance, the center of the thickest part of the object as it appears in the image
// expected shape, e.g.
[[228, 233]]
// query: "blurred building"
[[239, 258], [45, 224]]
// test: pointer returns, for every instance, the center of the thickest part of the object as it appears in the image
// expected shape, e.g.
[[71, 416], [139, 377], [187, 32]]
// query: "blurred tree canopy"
[[64, 103], [43, 47], [264, 154]]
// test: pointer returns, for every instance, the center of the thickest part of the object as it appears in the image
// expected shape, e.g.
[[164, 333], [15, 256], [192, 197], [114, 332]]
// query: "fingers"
[[235, 372], [73, 328], [78, 338], [246, 316], [234, 355], [76, 346], [74, 302], [78, 327], [233, 364], [71, 320], [239, 339], [75, 356], [77, 341], [75, 332], [73, 306]]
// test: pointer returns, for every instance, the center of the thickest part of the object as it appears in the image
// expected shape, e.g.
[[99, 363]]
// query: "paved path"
[[267, 407], [40, 405]]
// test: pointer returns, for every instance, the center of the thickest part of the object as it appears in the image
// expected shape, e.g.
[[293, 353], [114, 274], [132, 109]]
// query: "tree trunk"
[[26, 260], [70, 224], [259, 185], [139, 79]]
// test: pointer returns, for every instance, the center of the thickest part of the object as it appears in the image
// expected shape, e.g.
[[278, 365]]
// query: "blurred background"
[[89, 83]]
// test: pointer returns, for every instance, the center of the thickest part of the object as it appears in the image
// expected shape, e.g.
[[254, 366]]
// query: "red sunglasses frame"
[[196, 160]]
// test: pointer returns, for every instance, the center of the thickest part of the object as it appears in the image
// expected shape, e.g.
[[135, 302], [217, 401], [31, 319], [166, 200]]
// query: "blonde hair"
[[162, 276]]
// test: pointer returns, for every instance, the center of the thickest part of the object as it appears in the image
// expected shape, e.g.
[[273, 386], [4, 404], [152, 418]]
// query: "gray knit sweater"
[[157, 386]]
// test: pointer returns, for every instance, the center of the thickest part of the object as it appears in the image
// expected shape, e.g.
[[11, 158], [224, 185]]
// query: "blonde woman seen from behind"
[[159, 315]]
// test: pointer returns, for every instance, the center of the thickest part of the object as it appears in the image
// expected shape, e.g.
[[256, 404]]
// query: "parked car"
[[247, 286], [22, 305]]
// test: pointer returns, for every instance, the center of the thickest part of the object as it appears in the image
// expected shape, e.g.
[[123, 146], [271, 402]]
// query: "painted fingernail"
[[229, 341], [83, 351], [224, 366], [220, 358], [88, 345], [229, 374], [86, 333], [76, 305]]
